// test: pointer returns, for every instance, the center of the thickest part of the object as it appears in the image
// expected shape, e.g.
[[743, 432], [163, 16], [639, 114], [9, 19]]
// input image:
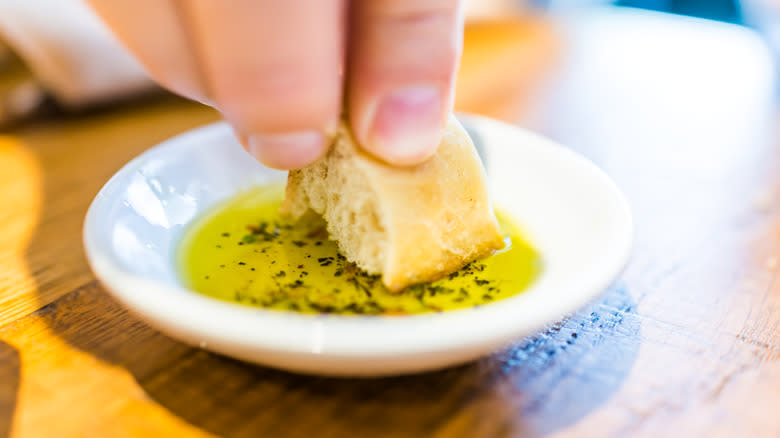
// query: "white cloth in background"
[[70, 51]]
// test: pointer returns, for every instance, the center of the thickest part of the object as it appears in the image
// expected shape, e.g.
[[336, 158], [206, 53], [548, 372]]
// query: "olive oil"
[[243, 251]]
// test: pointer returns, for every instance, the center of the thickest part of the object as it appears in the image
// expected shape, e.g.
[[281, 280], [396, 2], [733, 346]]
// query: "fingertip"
[[287, 151], [406, 150]]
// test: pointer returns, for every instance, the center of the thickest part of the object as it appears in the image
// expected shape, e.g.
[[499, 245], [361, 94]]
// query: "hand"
[[276, 68]]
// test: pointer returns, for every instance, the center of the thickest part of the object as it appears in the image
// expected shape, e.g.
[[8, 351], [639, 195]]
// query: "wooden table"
[[686, 342]]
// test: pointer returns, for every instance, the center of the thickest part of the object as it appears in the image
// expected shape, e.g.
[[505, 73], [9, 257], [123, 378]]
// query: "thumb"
[[403, 57]]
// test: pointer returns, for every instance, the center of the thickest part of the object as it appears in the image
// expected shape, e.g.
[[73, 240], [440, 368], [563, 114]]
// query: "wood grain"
[[136, 374], [50, 173], [685, 343]]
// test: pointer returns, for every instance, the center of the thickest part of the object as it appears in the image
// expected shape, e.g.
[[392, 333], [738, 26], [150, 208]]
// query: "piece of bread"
[[409, 224]]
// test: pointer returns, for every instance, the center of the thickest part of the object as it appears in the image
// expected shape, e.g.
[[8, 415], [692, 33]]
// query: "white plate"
[[571, 211]]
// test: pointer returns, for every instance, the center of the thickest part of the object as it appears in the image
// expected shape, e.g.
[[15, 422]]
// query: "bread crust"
[[416, 223]]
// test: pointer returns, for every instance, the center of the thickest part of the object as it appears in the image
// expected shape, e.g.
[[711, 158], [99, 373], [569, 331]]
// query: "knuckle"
[[420, 35]]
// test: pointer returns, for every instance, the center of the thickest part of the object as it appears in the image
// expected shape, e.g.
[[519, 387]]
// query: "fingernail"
[[287, 151], [407, 125]]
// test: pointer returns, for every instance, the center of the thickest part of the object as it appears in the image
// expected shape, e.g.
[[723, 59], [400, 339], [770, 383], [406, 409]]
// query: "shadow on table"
[[10, 373], [539, 385]]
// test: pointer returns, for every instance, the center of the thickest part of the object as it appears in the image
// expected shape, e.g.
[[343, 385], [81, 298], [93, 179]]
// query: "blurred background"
[[515, 55], [676, 100]]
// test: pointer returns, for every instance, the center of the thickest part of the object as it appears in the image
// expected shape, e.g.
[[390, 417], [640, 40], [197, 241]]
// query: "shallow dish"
[[571, 213]]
